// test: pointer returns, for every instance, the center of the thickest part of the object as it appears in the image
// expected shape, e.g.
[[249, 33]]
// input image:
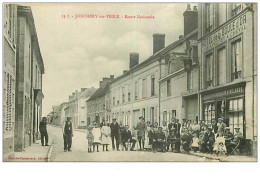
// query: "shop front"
[[228, 103]]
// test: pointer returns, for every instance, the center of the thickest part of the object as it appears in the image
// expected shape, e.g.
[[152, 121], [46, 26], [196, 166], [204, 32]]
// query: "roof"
[[157, 54], [27, 12], [100, 92]]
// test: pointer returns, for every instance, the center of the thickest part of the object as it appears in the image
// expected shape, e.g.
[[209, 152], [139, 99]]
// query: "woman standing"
[[106, 132], [97, 136]]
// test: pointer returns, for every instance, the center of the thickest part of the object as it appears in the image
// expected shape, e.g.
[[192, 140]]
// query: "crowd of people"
[[176, 137]]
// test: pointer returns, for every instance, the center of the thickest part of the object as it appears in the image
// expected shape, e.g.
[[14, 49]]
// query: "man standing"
[[43, 131], [67, 131], [177, 127], [141, 128], [114, 126], [221, 126]]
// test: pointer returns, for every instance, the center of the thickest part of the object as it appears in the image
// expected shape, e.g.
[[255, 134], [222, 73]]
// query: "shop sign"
[[229, 92], [226, 32]]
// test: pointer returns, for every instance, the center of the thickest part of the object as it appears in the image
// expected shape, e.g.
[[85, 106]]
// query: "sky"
[[78, 53]]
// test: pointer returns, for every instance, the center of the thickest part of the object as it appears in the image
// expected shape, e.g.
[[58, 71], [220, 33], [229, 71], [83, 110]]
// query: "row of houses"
[[23, 68], [209, 72]]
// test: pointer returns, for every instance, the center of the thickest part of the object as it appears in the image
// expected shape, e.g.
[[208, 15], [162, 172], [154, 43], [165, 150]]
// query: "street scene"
[[130, 82]]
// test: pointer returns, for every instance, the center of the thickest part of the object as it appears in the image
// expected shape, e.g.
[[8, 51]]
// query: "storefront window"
[[209, 112], [236, 114]]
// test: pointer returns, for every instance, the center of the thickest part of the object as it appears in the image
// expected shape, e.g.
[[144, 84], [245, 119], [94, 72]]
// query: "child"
[[219, 146], [90, 138], [195, 143]]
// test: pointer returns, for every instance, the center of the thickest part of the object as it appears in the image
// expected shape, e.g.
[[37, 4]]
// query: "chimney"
[[134, 60], [190, 19], [158, 42], [112, 77]]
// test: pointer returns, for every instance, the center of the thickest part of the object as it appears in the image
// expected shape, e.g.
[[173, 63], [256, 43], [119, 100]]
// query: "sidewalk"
[[232, 158], [33, 153]]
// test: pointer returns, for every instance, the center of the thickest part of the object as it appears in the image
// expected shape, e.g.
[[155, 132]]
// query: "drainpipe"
[[253, 79]]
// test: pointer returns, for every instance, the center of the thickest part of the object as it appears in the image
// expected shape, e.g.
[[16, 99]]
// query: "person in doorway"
[[43, 131], [67, 131], [114, 127], [105, 137]]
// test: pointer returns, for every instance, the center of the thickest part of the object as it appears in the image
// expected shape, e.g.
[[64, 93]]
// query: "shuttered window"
[[9, 104]]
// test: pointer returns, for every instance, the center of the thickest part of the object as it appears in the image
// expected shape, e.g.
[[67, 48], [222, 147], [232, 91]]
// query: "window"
[[210, 69], [165, 116], [144, 89], [236, 60], [221, 62], [123, 94], [129, 97], [169, 88], [114, 101], [136, 90], [9, 103], [209, 112], [236, 114], [209, 17], [189, 81], [153, 86]]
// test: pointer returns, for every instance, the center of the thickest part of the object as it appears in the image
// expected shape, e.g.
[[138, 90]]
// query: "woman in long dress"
[[97, 137], [105, 138]]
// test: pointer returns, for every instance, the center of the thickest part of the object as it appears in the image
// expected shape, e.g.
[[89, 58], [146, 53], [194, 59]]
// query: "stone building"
[[29, 71], [98, 105], [76, 108], [9, 77], [227, 52], [179, 76]]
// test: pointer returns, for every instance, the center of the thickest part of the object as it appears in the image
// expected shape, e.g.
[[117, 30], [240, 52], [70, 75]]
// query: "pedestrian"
[[208, 141], [114, 127], [105, 137], [186, 140], [221, 126], [97, 136], [43, 131], [177, 127], [67, 131], [160, 140], [141, 128], [195, 143], [90, 139]]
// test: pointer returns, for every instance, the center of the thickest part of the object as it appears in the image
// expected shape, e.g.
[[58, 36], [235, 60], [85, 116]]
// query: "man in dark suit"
[[215, 126], [177, 127], [208, 141], [114, 126], [170, 125], [43, 131], [126, 136], [67, 134], [186, 140], [160, 140]]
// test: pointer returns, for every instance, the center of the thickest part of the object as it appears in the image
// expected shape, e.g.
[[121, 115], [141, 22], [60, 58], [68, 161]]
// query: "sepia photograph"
[[129, 82]]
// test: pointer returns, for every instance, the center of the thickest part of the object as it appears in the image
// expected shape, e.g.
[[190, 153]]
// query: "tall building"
[[29, 71], [179, 78], [228, 67], [9, 78], [98, 105]]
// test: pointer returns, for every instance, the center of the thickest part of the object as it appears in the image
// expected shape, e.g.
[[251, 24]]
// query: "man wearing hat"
[[208, 141], [221, 125], [67, 131], [228, 139], [43, 131], [160, 139], [114, 126], [141, 128]]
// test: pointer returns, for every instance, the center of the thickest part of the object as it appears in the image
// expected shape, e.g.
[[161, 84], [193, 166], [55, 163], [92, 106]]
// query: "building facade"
[[179, 76], [227, 50], [9, 78], [29, 71], [98, 105]]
